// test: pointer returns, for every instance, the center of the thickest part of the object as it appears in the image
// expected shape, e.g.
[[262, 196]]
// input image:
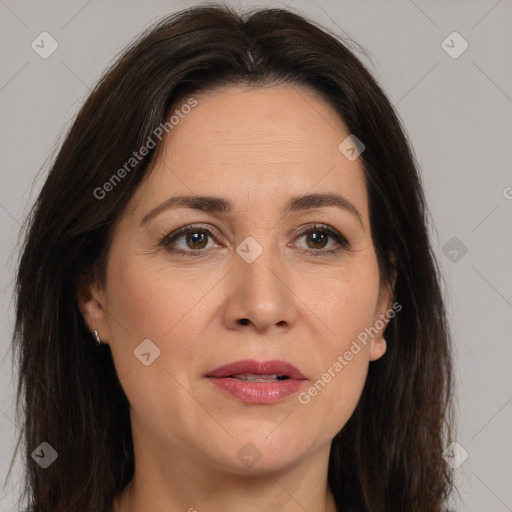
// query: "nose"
[[260, 294]]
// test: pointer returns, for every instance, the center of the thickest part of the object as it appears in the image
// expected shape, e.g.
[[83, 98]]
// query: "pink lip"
[[258, 392]]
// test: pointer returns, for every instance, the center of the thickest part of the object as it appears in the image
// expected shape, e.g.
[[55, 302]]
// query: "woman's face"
[[268, 278]]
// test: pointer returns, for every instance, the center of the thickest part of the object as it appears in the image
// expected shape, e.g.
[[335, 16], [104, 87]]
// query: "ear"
[[382, 314], [91, 302]]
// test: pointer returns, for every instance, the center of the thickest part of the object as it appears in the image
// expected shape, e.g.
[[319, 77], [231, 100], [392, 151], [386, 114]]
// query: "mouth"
[[256, 382]]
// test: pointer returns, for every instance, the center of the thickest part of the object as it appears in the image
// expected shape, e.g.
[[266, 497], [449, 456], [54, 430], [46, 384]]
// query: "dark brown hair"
[[388, 457]]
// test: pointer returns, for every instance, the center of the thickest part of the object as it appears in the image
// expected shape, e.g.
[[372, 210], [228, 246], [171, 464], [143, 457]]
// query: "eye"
[[318, 237], [189, 239]]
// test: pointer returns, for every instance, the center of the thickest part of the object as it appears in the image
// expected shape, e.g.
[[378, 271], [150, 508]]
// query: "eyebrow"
[[219, 205]]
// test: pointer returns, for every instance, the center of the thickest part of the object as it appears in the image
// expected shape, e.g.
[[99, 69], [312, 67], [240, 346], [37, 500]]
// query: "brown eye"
[[196, 240], [316, 240], [188, 240], [321, 240]]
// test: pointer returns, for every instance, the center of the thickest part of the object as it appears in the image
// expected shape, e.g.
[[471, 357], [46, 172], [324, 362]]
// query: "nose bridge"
[[259, 264]]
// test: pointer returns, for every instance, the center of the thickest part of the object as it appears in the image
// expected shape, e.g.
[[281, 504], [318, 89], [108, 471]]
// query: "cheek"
[[169, 307], [343, 303], [149, 301], [346, 311], [334, 392]]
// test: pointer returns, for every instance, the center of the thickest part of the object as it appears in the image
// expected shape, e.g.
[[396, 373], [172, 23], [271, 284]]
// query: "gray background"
[[458, 115]]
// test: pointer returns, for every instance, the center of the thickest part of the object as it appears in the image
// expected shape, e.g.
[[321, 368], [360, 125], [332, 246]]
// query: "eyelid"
[[332, 232], [191, 227]]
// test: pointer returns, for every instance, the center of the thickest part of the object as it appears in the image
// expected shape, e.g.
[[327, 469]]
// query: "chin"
[[258, 455]]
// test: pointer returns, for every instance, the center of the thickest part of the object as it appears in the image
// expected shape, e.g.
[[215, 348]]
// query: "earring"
[[95, 334]]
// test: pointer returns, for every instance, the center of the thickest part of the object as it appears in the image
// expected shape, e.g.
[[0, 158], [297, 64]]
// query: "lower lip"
[[257, 392]]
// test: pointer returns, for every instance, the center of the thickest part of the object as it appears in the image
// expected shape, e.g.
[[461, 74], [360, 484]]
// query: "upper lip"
[[258, 368]]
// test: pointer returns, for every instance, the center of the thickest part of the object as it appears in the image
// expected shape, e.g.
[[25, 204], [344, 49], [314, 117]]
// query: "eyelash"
[[314, 228]]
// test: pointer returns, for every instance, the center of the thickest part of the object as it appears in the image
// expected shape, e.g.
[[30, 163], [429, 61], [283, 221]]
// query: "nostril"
[[244, 321]]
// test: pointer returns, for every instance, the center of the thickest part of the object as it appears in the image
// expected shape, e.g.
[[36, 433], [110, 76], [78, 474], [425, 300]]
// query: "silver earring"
[[95, 334]]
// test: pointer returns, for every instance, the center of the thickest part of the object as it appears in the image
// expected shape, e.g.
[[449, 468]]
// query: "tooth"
[[252, 377]]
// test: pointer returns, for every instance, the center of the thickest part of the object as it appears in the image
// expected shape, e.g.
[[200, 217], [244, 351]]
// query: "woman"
[[227, 298]]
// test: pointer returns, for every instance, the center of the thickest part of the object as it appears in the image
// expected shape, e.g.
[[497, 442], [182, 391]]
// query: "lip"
[[257, 392]]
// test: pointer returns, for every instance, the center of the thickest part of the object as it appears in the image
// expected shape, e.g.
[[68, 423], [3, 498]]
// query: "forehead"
[[288, 121], [265, 143]]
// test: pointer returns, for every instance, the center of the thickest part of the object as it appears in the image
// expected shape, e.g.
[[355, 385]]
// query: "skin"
[[257, 148]]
